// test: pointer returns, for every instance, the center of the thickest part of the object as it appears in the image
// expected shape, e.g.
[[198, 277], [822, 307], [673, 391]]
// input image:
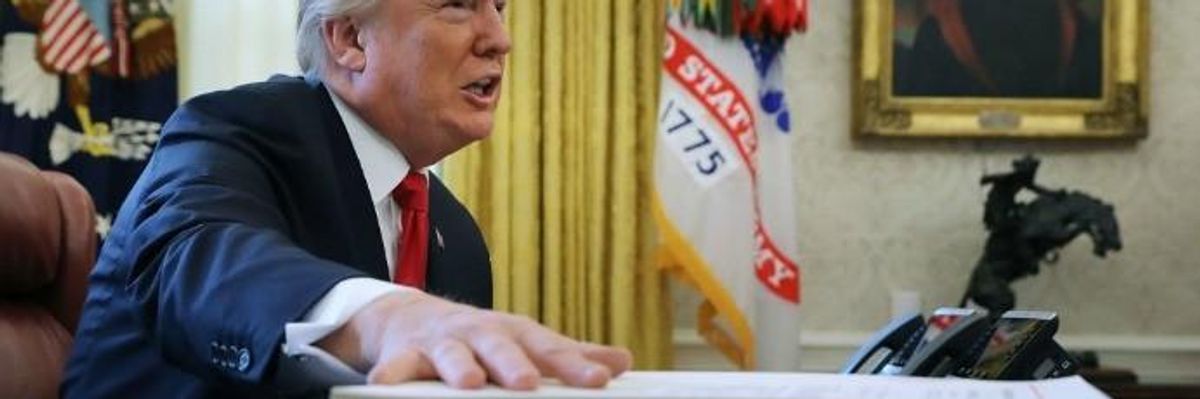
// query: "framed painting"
[[1001, 68]]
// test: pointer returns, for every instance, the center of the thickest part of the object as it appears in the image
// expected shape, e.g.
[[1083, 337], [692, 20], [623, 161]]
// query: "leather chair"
[[47, 248]]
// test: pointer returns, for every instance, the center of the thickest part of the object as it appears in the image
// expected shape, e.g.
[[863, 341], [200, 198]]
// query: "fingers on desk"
[[513, 352], [507, 363], [618, 360], [455, 364], [562, 358], [400, 365]]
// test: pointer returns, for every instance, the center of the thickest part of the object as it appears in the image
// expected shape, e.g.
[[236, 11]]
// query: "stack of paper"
[[648, 385]]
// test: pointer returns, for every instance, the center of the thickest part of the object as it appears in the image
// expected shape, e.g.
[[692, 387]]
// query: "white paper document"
[[733, 385]]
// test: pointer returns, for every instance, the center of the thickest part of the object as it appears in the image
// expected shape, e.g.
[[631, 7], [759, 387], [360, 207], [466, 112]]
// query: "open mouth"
[[483, 89]]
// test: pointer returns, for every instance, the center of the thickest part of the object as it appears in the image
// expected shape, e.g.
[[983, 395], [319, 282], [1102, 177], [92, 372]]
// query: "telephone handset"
[[1022, 347], [887, 344], [960, 336]]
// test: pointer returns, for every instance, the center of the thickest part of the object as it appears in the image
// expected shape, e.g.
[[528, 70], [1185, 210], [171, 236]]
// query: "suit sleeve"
[[213, 273]]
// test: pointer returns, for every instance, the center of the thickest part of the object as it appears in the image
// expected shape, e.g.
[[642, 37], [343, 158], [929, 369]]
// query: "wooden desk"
[[1137, 391], [1123, 384]]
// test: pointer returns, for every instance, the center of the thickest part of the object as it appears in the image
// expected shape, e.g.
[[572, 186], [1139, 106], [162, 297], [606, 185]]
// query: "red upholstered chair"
[[47, 247]]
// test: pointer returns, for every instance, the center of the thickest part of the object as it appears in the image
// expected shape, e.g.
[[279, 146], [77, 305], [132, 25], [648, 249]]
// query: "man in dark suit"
[[286, 236]]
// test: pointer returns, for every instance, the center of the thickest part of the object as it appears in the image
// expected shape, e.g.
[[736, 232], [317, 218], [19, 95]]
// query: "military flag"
[[723, 174]]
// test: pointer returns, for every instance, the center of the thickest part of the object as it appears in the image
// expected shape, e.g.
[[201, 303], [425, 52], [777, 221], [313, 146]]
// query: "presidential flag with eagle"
[[85, 86]]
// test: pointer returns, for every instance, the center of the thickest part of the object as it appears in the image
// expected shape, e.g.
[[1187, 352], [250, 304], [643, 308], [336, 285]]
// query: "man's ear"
[[343, 39]]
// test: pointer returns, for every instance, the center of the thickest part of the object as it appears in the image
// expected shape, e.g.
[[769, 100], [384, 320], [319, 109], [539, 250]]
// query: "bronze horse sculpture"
[[1025, 234]]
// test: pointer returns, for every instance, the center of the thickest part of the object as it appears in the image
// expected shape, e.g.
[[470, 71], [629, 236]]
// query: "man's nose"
[[493, 38]]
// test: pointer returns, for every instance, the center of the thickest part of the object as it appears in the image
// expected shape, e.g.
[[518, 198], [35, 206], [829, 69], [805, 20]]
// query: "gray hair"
[[310, 43]]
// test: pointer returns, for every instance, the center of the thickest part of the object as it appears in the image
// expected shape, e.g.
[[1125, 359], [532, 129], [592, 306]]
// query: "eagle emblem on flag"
[[76, 38], [85, 86]]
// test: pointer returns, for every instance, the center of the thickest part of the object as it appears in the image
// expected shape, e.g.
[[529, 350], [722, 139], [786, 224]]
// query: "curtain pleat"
[[554, 281]]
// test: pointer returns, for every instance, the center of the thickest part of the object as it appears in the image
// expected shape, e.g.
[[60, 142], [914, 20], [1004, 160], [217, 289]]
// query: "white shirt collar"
[[383, 166]]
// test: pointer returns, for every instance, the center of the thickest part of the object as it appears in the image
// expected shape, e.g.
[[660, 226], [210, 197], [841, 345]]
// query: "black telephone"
[[1022, 347], [965, 342], [962, 337], [887, 344]]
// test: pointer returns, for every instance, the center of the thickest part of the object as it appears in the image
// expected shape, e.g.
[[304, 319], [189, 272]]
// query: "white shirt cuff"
[[330, 313]]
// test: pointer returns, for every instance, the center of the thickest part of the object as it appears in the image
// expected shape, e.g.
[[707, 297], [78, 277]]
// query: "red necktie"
[[413, 197]]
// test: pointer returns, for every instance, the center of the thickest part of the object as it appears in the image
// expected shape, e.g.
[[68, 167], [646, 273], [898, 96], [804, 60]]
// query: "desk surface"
[[1137, 391], [1123, 384], [646, 385]]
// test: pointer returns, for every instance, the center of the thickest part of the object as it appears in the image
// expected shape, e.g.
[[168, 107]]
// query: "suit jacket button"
[[214, 352], [243, 360]]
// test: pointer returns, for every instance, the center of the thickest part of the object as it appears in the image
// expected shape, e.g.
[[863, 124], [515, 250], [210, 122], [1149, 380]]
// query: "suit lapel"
[[365, 239], [437, 243]]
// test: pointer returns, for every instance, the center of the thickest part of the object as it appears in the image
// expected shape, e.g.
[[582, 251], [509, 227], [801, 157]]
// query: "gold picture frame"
[[918, 107]]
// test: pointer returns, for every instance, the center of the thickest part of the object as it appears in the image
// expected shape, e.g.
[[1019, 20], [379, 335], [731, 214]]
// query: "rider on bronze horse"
[[1024, 234]]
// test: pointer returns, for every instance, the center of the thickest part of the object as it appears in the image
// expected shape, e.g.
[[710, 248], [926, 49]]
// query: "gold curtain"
[[563, 187]]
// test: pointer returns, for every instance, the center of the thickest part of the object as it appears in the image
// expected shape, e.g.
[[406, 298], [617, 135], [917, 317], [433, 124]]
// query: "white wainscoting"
[[1155, 359]]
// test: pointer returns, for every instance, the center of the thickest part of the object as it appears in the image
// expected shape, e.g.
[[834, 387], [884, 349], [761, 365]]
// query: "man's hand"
[[410, 336]]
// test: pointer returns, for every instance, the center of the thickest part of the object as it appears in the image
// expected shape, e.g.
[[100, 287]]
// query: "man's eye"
[[457, 4], [500, 6]]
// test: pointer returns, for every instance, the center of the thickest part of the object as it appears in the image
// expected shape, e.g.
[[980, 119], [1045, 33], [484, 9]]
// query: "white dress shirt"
[[383, 167]]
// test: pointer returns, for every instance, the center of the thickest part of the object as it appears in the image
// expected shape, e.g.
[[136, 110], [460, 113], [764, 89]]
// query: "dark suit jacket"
[[251, 209]]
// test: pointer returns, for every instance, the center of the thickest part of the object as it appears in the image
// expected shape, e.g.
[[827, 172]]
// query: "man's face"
[[433, 72]]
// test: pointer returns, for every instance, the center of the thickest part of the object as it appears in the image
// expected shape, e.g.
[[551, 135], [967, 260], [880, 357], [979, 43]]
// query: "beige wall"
[[882, 216]]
